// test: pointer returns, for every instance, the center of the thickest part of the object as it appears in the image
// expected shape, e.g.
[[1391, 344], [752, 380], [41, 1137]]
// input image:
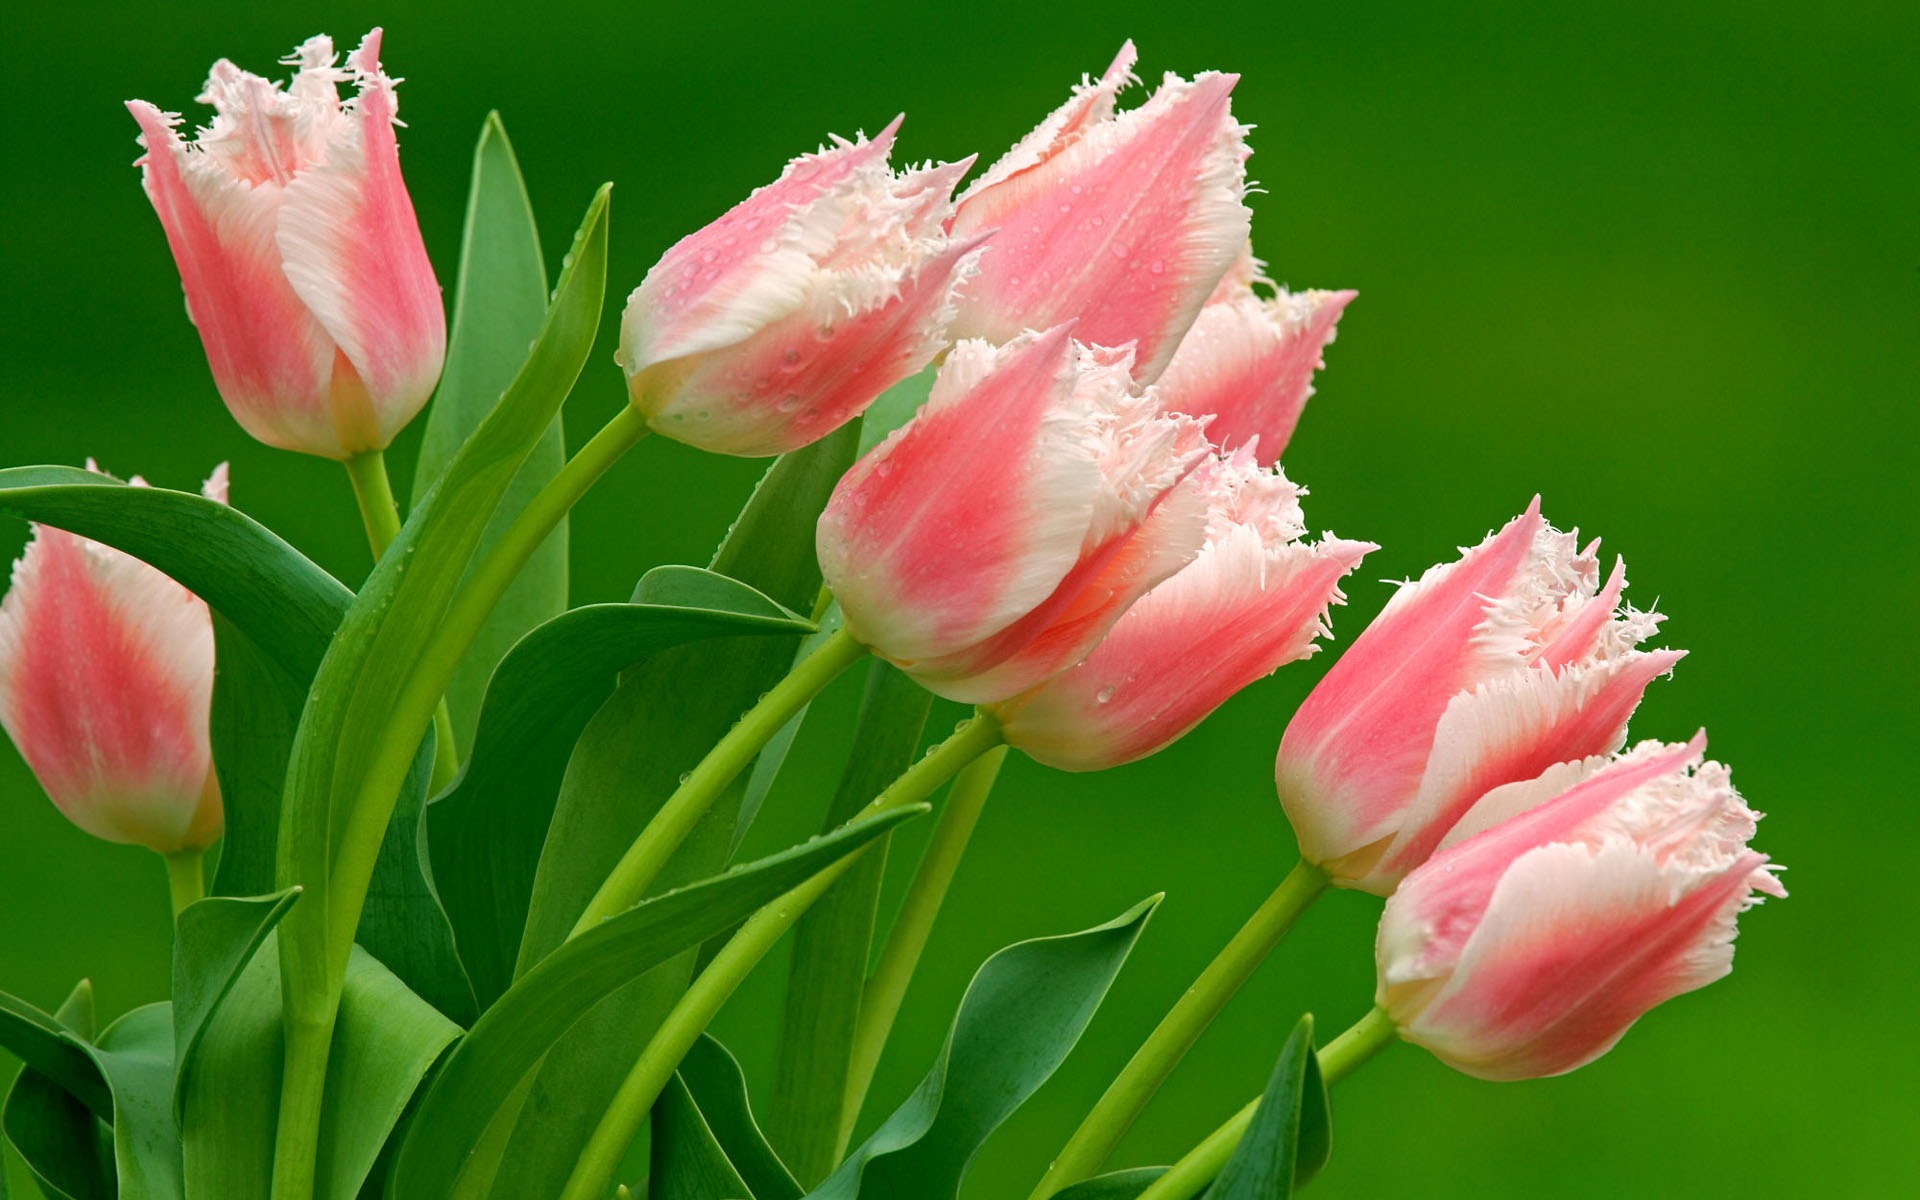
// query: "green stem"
[[185, 879], [380, 513], [649, 853], [296, 1145], [592, 1175], [1203, 1163], [887, 987], [1150, 1065]]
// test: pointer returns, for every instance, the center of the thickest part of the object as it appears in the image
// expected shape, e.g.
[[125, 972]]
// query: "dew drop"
[[1103, 695]]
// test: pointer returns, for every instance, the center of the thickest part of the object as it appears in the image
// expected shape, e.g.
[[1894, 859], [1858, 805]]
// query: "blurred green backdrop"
[[1658, 262]]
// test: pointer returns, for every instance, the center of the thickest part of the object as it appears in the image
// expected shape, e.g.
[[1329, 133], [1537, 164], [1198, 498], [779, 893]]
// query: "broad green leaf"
[[655, 727], [498, 303], [486, 830], [242, 569], [1288, 1139], [718, 1089], [47, 1045], [833, 941], [67, 1149], [256, 705], [1021, 1015], [135, 1053], [1114, 1185], [374, 694], [384, 1042], [685, 1161], [404, 924], [213, 941], [508, 1041]]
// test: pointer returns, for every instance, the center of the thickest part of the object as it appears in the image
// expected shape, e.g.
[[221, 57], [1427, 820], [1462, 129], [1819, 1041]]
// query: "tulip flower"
[[1248, 361], [992, 540], [1486, 671], [297, 246], [106, 675], [785, 318], [1528, 945], [1254, 599], [1122, 222]]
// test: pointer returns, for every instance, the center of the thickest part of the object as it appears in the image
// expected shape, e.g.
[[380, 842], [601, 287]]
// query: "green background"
[[1659, 262]]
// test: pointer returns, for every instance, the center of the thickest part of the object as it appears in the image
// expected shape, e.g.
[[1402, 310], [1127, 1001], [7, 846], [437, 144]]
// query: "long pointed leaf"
[[1287, 1140], [213, 941], [66, 1148]]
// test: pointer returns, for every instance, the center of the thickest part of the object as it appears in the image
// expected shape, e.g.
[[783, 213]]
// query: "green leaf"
[[404, 924], [213, 941], [895, 407], [256, 705], [685, 1161], [49, 1046], [384, 1042], [488, 827], [718, 1090], [1288, 1139], [655, 727], [242, 569], [832, 942], [135, 1053], [508, 1041], [1021, 1015], [1114, 1185], [374, 694], [66, 1148], [499, 302]]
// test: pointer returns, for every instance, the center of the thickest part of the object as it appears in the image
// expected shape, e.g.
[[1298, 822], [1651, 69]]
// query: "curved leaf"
[[685, 1161], [508, 1041], [135, 1053], [1021, 1015], [488, 827], [718, 1089], [657, 725], [1288, 1139], [256, 705], [213, 941], [498, 303], [404, 924], [1114, 1185], [47, 1045], [67, 1149]]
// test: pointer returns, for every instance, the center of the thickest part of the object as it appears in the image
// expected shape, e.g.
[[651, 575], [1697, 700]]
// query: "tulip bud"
[[1486, 671], [1528, 945], [782, 320], [106, 675], [1254, 599], [1248, 361], [299, 252], [992, 540], [1122, 222]]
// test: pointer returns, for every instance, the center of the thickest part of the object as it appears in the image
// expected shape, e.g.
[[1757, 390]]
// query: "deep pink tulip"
[[785, 318], [1248, 361], [993, 539], [299, 252], [1563, 908], [1123, 222], [1254, 599], [106, 674], [1485, 671]]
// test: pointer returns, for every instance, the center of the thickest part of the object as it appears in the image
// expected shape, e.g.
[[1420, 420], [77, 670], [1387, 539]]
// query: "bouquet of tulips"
[[454, 865]]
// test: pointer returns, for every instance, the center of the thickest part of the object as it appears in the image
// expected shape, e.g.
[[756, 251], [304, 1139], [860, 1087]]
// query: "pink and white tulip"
[[1249, 360], [1124, 222], [1254, 599], [299, 251], [992, 540], [1565, 907], [784, 319], [106, 675], [1486, 671]]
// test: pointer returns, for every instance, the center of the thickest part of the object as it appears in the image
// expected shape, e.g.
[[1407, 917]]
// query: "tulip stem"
[[1338, 1059], [185, 878], [1127, 1096], [699, 788], [887, 986], [380, 513], [592, 1175]]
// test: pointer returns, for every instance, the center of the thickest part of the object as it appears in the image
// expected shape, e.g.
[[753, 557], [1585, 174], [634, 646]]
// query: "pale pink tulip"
[[1563, 908], [785, 318], [1254, 599], [992, 540], [1486, 671], [1123, 222], [297, 246], [106, 674], [1248, 361]]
